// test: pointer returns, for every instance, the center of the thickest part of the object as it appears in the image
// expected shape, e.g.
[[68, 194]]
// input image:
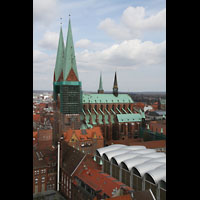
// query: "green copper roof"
[[69, 59], [107, 98], [129, 117], [60, 56], [100, 83]]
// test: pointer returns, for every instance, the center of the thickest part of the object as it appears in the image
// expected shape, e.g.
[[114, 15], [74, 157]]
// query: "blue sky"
[[122, 35]]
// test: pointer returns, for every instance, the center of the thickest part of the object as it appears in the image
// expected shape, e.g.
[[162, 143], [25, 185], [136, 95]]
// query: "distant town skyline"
[[117, 35]]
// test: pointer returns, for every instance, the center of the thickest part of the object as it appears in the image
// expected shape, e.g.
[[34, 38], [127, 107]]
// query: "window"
[[43, 179], [36, 180]]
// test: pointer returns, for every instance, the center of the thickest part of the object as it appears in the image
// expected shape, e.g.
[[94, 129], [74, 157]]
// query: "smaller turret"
[[100, 90], [115, 86]]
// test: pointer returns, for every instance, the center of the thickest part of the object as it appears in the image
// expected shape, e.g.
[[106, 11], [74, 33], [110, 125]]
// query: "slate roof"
[[70, 158]]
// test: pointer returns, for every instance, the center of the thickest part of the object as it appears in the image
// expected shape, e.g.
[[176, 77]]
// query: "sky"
[[126, 36]]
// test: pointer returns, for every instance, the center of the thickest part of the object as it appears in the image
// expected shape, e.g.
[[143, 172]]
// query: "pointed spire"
[[59, 57], [100, 90], [115, 80], [70, 69], [115, 86]]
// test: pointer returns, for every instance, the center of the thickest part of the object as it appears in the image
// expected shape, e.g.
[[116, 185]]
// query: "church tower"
[[115, 86], [67, 92], [100, 90]]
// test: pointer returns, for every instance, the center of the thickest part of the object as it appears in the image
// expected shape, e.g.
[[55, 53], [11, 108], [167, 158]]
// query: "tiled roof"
[[83, 134], [35, 133], [70, 158], [123, 197], [99, 181], [36, 117]]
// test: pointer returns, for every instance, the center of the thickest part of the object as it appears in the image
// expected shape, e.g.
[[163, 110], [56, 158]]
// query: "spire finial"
[[60, 20]]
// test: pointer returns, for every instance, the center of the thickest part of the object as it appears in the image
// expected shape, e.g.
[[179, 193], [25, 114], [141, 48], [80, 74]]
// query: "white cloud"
[[45, 10], [134, 23], [83, 43], [87, 44], [49, 41], [130, 54]]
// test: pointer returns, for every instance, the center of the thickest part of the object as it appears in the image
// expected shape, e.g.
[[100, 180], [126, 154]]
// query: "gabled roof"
[[83, 134], [99, 181]]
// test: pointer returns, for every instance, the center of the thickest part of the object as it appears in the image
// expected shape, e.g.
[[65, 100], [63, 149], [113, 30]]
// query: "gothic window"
[[124, 106], [101, 107], [95, 107], [107, 106], [113, 107], [119, 107]]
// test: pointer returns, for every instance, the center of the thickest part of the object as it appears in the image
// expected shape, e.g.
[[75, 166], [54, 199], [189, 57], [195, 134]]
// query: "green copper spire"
[[60, 56], [100, 90], [69, 57]]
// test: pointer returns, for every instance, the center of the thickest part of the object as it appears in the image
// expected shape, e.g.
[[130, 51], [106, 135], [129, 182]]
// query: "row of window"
[[107, 106], [42, 171], [42, 180]]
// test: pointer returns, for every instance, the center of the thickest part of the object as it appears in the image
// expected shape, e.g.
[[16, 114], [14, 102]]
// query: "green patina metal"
[[60, 56], [93, 118], [107, 98], [100, 119], [129, 117], [106, 119], [68, 83], [69, 55]]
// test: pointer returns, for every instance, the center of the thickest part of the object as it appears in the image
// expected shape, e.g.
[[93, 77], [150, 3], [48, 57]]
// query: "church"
[[74, 110]]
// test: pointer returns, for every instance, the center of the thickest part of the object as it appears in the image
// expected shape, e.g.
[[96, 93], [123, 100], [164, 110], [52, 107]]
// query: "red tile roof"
[[36, 117], [82, 137], [35, 133], [99, 181], [123, 197]]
